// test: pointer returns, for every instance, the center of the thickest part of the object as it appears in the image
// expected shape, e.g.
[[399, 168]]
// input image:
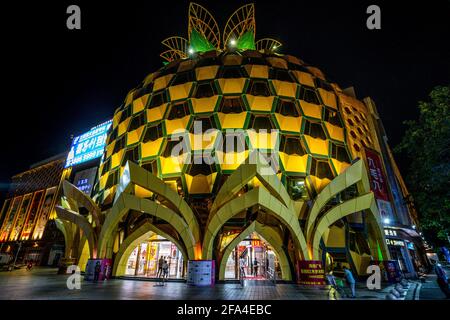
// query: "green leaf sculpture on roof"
[[199, 42], [247, 41]]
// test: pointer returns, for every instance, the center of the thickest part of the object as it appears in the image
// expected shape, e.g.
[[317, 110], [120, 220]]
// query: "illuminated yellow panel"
[[117, 158], [206, 73], [257, 71], [140, 103], [311, 110], [129, 97], [135, 135], [203, 141], [123, 126], [148, 79], [319, 184], [151, 148], [335, 132], [180, 91], [116, 119], [172, 165], [200, 184], [258, 103], [177, 125], [232, 120], [157, 113], [286, 123], [294, 163], [304, 78], [277, 62], [317, 146], [142, 192], [262, 140], [285, 89], [202, 105], [231, 86], [110, 148], [328, 98], [339, 166], [230, 160], [103, 180], [162, 82]]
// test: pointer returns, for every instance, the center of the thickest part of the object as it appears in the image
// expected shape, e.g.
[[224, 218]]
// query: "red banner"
[[310, 273], [377, 177]]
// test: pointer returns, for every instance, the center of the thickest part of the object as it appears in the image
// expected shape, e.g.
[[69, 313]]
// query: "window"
[[232, 105], [153, 133], [280, 74], [131, 155], [323, 84], [232, 142], [201, 123], [357, 148], [157, 99], [297, 188], [309, 95], [120, 144], [297, 67], [151, 166], [353, 134], [350, 122], [143, 91], [178, 111], [204, 90], [183, 77], [200, 167], [259, 88], [321, 169], [332, 117], [314, 130], [208, 62], [230, 72], [112, 136], [291, 145], [137, 121], [360, 131], [261, 123], [125, 113], [287, 108], [106, 166], [179, 144], [340, 153], [112, 179]]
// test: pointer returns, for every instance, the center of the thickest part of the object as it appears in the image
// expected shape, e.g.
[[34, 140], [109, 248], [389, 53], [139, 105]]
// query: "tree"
[[426, 144]]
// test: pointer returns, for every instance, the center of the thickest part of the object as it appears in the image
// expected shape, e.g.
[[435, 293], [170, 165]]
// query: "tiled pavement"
[[44, 284]]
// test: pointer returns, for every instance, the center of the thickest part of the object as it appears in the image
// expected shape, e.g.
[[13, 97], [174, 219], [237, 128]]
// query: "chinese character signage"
[[377, 178], [311, 273], [84, 180], [89, 145]]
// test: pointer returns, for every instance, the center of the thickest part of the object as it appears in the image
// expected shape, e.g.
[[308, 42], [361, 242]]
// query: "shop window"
[[125, 113], [261, 123], [323, 84], [157, 99], [287, 108], [332, 117], [315, 130], [120, 144], [297, 188], [179, 145], [230, 72], [203, 123], [280, 74], [137, 121], [232, 105], [179, 111], [204, 90], [259, 88], [291, 145], [153, 133], [309, 95], [233, 142], [183, 77], [131, 155], [340, 153], [321, 169]]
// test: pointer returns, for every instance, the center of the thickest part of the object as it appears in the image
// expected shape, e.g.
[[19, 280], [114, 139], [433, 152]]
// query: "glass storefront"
[[143, 260], [250, 250]]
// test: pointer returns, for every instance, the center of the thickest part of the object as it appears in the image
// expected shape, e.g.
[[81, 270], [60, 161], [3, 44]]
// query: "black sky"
[[58, 82]]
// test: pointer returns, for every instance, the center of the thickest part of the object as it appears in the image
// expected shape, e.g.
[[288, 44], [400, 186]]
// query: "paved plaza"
[[45, 284]]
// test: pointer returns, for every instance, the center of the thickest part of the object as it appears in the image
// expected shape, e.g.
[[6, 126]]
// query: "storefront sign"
[[377, 177], [201, 272], [84, 180], [44, 213], [311, 273], [31, 219], [89, 145], [21, 216], [395, 243], [10, 218]]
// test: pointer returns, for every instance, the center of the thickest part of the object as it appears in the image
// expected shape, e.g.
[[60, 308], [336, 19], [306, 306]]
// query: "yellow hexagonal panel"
[[317, 146], [232, 120], [151, 148], [203, 105], [292, 124], [311, 110], [180, 91], [206, 73], [258, 103], [232, 86], [285, 89]]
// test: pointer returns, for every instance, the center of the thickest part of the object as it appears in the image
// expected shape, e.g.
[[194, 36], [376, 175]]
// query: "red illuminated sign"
[[377, 177]]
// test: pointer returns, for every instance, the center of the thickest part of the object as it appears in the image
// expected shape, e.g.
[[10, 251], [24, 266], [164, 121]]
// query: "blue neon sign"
[[89, 145]]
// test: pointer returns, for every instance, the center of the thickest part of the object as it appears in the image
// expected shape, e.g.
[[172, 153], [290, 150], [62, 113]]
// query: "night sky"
[[60, 82]]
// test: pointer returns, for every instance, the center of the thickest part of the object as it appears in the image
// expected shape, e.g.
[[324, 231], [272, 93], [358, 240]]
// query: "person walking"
[[242, 266], [165, 270], [350, 280], [97, 271], [442, 279], [160, 265], [255, 267]]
